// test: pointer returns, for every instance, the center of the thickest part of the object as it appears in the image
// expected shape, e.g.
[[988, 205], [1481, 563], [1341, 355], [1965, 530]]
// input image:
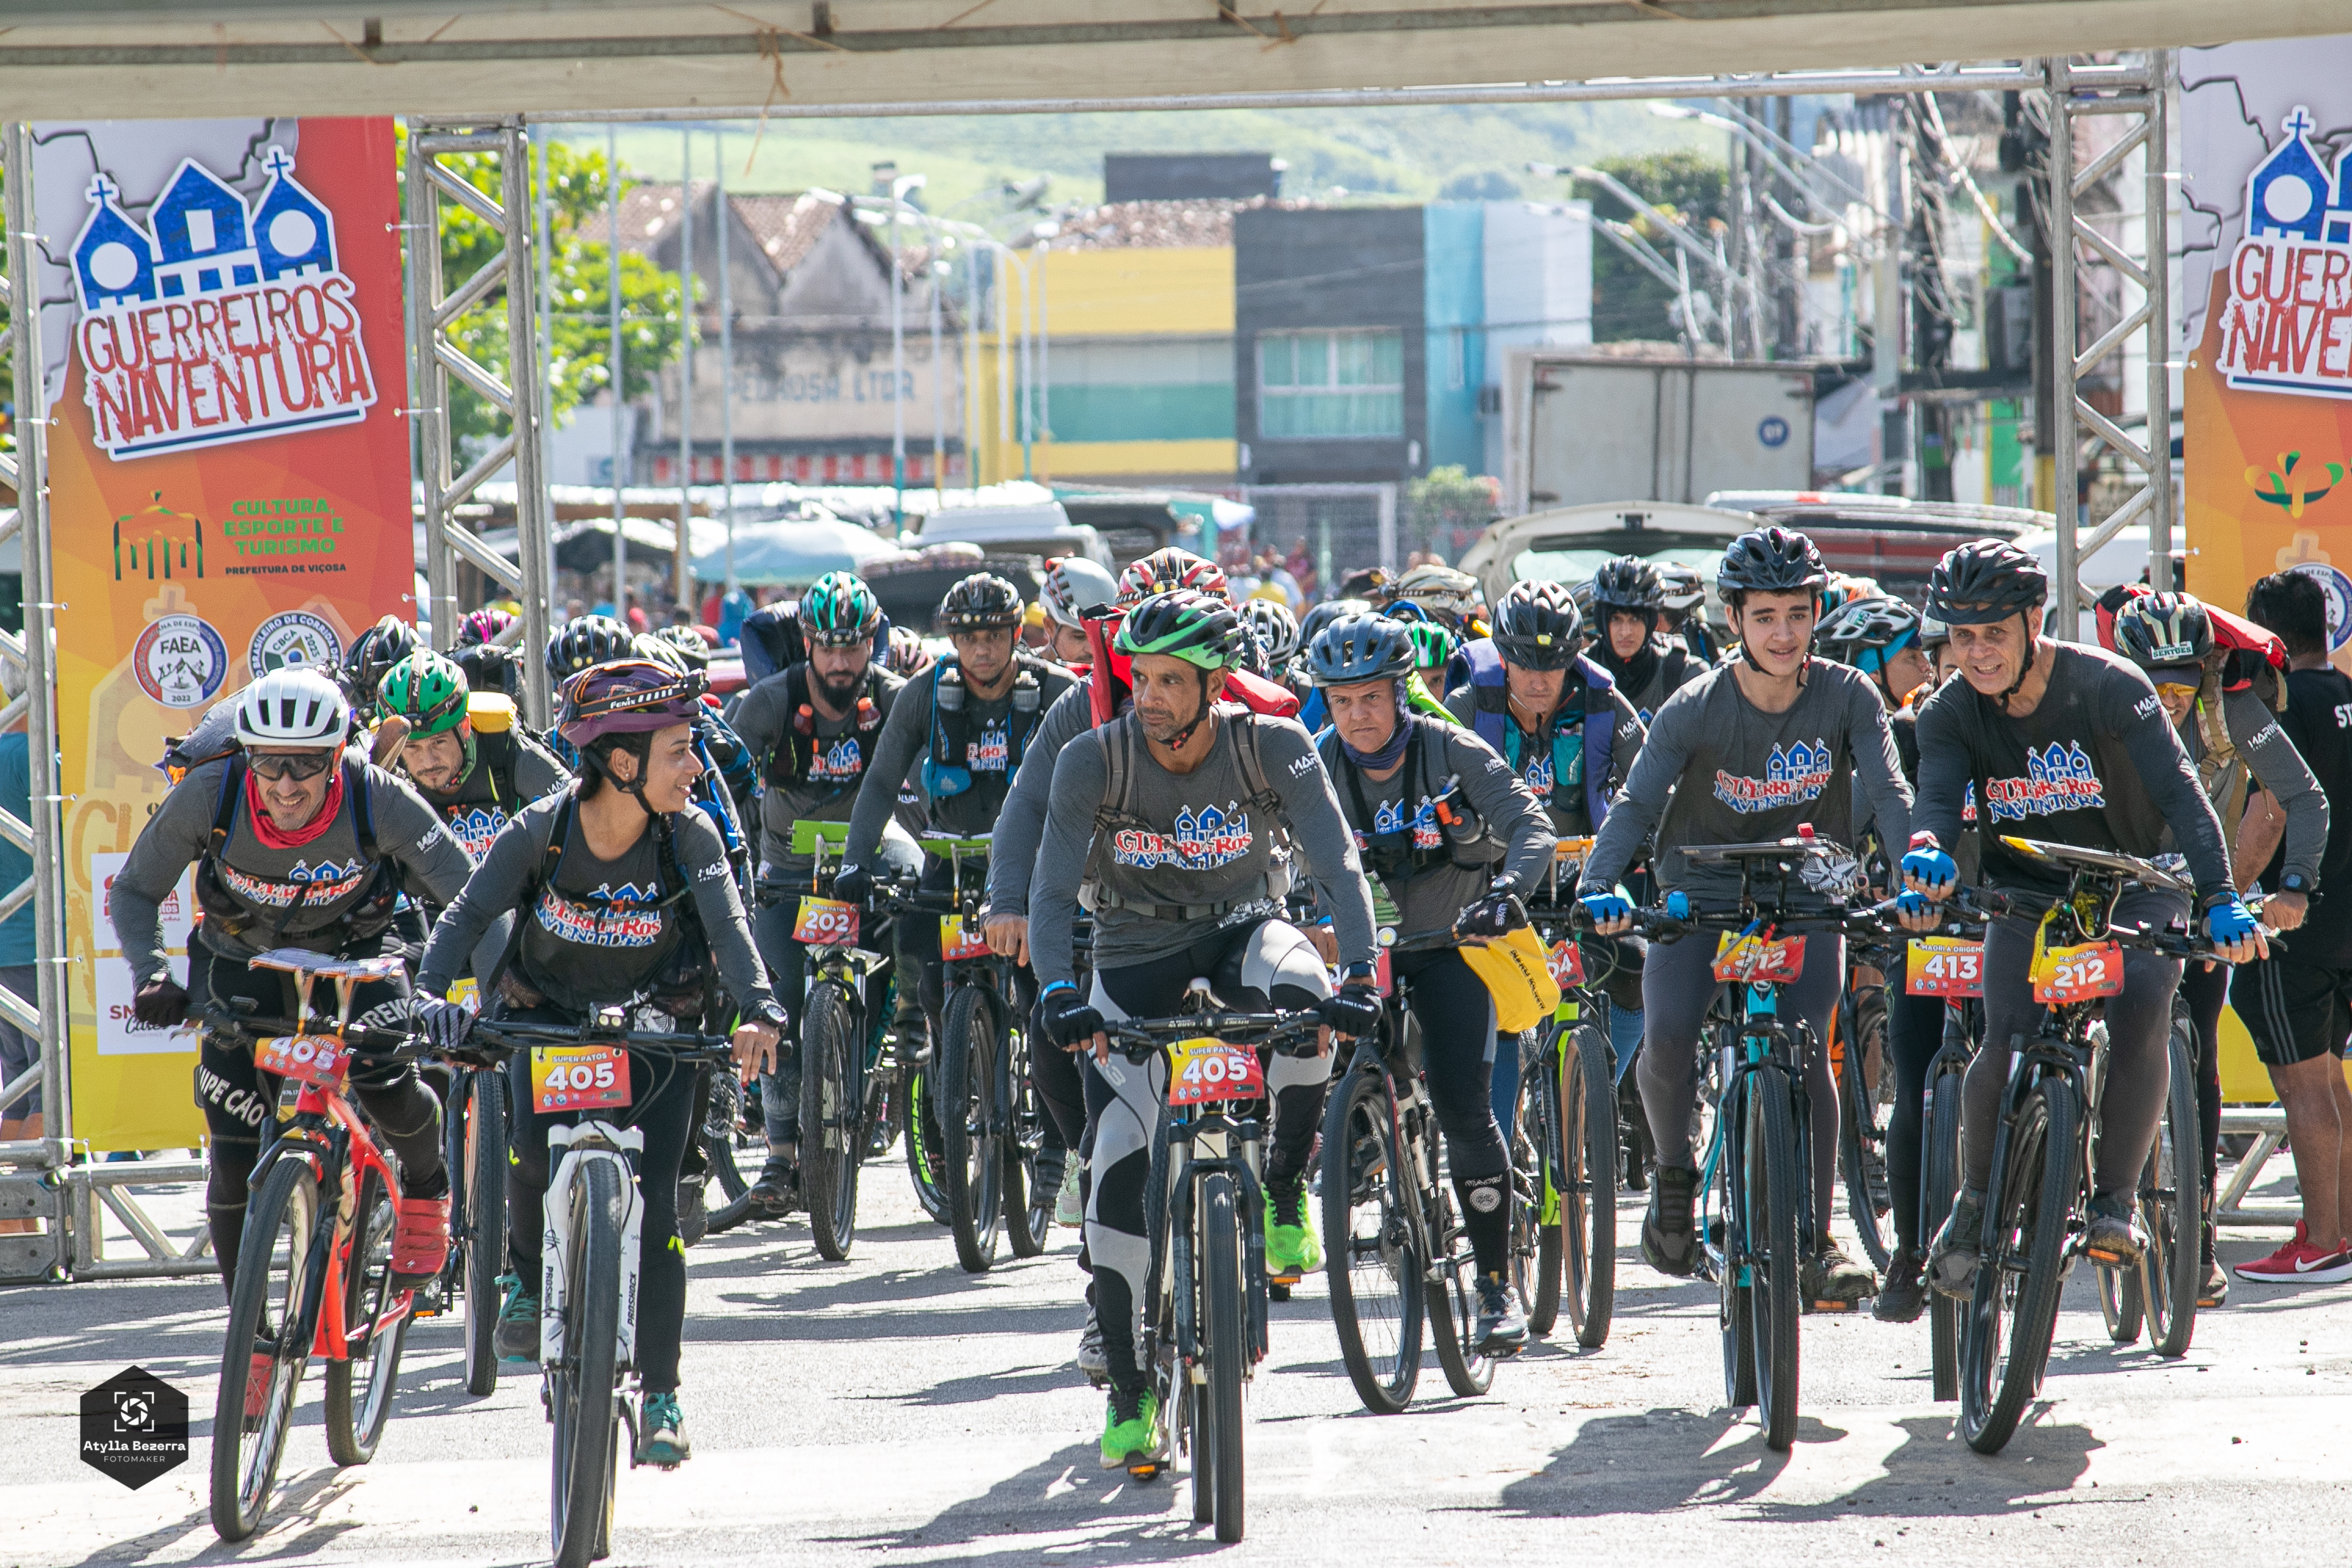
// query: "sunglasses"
[[298, 765], [2175, 689]]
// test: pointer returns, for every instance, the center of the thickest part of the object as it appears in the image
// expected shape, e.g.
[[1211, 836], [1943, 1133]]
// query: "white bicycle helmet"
[[1073, 584], [293, 707], [1276, 628]]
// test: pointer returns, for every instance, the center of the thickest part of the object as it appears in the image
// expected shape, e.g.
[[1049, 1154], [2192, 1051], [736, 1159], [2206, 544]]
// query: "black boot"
[[1901, 1296]]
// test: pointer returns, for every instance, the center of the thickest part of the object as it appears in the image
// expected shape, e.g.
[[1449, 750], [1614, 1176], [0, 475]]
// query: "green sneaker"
[[661, 1433], [518, 1330], [1292, 1249], [1131, 1435]]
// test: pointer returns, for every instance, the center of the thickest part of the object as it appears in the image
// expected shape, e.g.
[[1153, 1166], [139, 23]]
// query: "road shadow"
[[1661, 1459], [293, 1532], [112, 1320]]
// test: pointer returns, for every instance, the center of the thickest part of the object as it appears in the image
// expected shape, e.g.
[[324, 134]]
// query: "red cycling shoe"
[[420, 1240]]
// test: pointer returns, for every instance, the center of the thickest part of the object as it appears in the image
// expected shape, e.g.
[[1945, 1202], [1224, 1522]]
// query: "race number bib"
[[2081, 972], [318, 1060], [1567, 963], [1751, 958], [579, 1078], [826, 923], [1944, 966], [1200, 1070], [955, 943]]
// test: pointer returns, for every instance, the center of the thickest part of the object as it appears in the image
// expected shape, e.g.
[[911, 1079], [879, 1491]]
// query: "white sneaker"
[[1091, 1348], [1070, 1204]]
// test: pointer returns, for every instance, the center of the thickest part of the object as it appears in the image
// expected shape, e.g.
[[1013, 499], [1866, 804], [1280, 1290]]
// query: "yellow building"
[[1131, 308]]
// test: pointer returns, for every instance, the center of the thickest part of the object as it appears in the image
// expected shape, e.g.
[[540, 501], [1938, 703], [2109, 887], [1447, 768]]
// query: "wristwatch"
[[1361, 971], [2294, 883]]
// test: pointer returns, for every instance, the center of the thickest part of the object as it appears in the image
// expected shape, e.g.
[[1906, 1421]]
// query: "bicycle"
[[1952, 967], [590, 1267], [474, 1149], [1865, 1091], [314, 1270], [2173, 1212], [1564, 1147], [1204, 1299], [2045, 1148]]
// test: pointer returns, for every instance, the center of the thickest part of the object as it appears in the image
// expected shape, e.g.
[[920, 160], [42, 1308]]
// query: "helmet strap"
[[638, 747], [1176, 742], [2026, 665]]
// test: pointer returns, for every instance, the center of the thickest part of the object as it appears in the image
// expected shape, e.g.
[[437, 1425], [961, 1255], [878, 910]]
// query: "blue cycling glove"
[[1913, 904], [1678, 905], [2229, 920], [1926, 861], [1616, 904]]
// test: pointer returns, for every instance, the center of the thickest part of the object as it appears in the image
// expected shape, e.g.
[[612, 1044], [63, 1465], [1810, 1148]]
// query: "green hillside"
[[1381, 154]]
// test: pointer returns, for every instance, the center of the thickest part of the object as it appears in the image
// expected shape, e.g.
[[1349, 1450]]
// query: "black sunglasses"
[[297, 766]]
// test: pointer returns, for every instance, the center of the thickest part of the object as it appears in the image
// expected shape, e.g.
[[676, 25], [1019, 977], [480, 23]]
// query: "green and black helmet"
[[425, 689], [981, 601], [1187, 625], [839, 610]]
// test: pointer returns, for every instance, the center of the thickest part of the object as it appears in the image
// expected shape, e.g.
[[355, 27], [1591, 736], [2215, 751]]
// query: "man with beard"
[[812, 726]]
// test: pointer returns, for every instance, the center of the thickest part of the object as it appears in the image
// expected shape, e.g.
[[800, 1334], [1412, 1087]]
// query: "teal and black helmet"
[[839, 609], [427, 689]]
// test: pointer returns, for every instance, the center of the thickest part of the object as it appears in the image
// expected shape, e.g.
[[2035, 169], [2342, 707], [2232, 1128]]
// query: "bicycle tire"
[[1222, 1316], [1940, 1185], [584, 1387], [485, 1240], [1592, 1232], [971, 1161], [1863, 1107], [2122, 1307], [2022, 1268], [359, 1388], [1768, 1149], [832, 1139], [918, 1132], [2172, 1270], [1373, 1264], [1028, 1209], [272, 1267], [1538, 1184], [722, 1124]]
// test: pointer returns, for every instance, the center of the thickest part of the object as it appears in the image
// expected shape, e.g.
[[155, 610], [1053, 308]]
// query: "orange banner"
[[229, 489]]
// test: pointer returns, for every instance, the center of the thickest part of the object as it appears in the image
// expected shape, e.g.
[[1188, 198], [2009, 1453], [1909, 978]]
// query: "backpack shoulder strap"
[[232, 789], [355, 785]]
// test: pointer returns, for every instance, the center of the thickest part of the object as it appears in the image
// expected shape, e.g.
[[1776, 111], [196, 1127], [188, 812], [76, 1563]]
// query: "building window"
[[1330, 385]]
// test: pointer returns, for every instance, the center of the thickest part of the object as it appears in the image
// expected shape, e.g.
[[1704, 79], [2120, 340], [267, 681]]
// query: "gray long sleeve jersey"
[[1021, 825], [595, 934], [2265, 751], [2095, 765], [1719, 769], [294, 897], [1192, 839], [905, 735], [1429, 898]]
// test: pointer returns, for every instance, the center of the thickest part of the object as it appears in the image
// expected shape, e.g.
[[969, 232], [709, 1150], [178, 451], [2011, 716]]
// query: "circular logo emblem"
[[2338, 588], [180, 661], [1772, 430], [295, 640], [1485, 1200]]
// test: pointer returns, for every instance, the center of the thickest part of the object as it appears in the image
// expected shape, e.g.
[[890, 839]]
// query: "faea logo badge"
[[221, 320], [295, 640], [134, 1427], [180, 661]]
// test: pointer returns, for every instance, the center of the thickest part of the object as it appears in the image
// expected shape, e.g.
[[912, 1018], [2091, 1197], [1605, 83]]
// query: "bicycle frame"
[[1763, 1044], [582, 1144]]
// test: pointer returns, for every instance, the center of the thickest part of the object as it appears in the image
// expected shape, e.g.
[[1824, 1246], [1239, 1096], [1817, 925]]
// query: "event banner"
[[2266, 304], [229, 489]]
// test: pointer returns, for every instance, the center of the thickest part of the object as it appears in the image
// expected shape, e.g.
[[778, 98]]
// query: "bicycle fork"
[[621, 1147], [1249, 1199]]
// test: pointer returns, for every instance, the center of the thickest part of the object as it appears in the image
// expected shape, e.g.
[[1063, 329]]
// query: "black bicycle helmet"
[[2164, 631], [981, 601], [1985, 582], [372, 653], [1628, 582], [1359, 646], [1537, 626], [587, 640], [1318, 616], [1773, 560], [1188, 624]]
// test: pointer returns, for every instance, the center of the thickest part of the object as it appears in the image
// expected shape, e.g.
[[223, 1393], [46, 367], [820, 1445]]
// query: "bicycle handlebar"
[[1290, 1033], [509, 1036], [379, 1043]]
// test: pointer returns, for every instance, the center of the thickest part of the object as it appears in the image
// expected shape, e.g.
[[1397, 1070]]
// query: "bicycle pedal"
[[1278, 1289], [1285, 1280], [1837, 1306], [1146, 1471]]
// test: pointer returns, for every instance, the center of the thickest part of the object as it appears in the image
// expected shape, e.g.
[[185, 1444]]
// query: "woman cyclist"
[[622, 896]]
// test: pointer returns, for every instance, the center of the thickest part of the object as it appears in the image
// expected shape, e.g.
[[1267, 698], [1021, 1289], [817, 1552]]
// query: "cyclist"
[[1169, 817], [1073, 584], [490, 665], [813, 728], [1683, 617], [1453, 836], [1446, 595], [2068, 744], [298, 842], [1628, 601], [577, 645], [371, 653], [2240, 751], [974, 713], [1433, 650], [1880, 638], [1752, 749], [580, 945], [1277, 630]]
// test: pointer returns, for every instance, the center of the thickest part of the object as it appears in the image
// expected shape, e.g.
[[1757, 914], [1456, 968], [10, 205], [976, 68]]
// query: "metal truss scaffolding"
[[436, 362], [2139, 98]]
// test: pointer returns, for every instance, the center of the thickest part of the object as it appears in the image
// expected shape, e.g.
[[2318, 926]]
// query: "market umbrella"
[[786, 552]]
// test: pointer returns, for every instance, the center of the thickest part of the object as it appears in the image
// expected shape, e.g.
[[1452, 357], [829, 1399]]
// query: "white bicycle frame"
[[589, 1142]]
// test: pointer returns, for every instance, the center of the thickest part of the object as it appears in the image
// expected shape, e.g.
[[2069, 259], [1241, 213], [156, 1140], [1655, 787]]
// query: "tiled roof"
[[786, 227]]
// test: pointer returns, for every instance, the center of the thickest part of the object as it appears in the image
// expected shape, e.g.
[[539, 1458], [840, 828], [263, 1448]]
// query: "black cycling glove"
[[162, 1004], [1356, 1010], [853, 884], [1494, 917], [1067, 1018]]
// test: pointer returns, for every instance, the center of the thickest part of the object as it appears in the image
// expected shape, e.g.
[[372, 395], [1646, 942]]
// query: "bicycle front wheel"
[[1768, 1153], [485, 1219], [2020, 1270], [1222, 1313], [1028, 1202], [972, 1157], [1375, 1265], [832, 1142], [584, 1395], [1587, 1102], [267, 1345], [359, 1388], [1540, 1188], [2172, 1205]]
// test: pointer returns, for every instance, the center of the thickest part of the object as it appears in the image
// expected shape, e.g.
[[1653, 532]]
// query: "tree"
[[1449, 506], [579, 277], [1627, 301]]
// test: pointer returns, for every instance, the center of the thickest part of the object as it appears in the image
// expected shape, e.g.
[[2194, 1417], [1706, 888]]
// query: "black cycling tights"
[[661, 1102], [2205, 990], [239, 1099], [1914, 1033], [1456, 1015]]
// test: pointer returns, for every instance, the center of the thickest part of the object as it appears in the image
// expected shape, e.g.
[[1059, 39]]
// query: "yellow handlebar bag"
[[1518, 975], [490, 712]]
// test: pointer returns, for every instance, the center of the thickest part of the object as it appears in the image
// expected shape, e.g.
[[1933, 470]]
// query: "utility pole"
[[897, 370], [689, 323], [726, 353], [933, 275], [620, 415]]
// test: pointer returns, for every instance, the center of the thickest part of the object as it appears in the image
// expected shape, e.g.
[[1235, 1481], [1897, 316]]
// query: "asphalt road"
[[893, 1409]]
